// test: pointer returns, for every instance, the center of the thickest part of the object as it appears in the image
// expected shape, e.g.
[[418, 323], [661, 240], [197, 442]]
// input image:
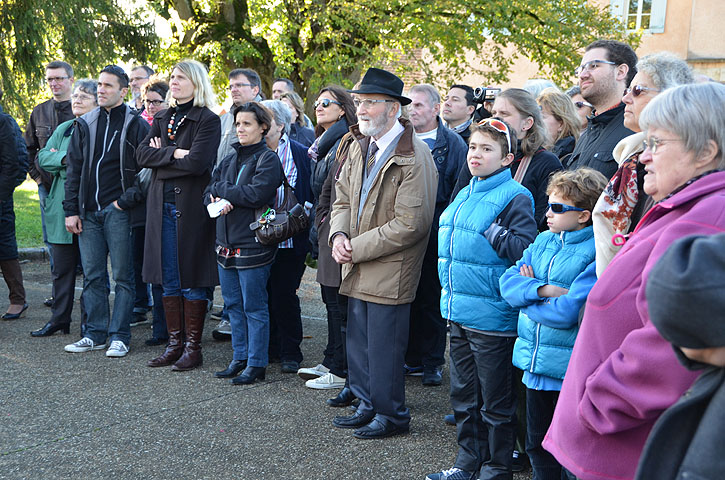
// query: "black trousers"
[[285, 321], [142, 301], [540, 406], [376, 340], [427, 335], [335, 351], [63, 273], [483, 398]]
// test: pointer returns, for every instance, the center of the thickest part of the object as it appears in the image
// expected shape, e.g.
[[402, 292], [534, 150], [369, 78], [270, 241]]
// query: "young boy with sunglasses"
[[482, 233], [550, 285]]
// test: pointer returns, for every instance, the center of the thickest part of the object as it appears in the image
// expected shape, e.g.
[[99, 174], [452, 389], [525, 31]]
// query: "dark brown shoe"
[[173, 310], [194, 316]]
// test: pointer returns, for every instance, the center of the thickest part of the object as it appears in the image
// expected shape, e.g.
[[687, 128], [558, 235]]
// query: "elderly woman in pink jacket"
[[623, 374]]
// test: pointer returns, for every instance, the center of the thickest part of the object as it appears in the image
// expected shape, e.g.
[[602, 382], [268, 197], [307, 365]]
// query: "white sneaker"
[[325, 382], [85, 344], [314, 372], [117, 349]]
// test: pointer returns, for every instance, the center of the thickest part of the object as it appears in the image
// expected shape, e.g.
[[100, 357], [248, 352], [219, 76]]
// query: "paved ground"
[[86, 416]]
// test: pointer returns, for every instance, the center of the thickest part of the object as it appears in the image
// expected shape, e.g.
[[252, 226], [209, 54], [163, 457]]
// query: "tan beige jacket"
[[389, 242]]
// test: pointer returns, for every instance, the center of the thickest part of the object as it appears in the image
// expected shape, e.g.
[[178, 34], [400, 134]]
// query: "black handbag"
[[274, 226]]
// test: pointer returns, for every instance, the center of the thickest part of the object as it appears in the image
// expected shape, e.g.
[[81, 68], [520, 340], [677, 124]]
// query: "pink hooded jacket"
[[623, 374]]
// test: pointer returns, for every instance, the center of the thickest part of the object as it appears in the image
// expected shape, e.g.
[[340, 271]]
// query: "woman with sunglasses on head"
[[624, 202], [622, 374], [335, 114], [179, 253], [561, 120], [298, 130], [532, 164]]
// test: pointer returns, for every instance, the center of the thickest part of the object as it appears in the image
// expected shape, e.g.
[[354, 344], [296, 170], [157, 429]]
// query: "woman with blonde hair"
[[298, 130], [180, 150], [561, 120]]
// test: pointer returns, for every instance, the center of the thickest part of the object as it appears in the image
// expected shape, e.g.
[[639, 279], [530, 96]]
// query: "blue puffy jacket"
[[548, 327], [469, 267]]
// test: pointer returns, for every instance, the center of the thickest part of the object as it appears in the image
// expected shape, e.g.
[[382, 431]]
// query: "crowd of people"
[[559, 238]]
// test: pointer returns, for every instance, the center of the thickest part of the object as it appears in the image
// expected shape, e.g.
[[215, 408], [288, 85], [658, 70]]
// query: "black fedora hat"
[[383, 82]]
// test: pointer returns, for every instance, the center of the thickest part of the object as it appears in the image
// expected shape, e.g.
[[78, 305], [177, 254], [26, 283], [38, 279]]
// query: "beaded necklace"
[[174, 126]]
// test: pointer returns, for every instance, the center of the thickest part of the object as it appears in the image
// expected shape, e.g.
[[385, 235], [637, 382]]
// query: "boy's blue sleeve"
[[514, 229], [519, 290], [563, 312]]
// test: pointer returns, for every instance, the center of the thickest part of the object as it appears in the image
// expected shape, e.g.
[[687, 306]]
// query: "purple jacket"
[[623, 374]]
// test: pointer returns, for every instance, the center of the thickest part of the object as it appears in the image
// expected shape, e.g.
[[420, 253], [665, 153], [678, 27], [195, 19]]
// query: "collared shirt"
[[284, 152], [385, 141], [461, 127]]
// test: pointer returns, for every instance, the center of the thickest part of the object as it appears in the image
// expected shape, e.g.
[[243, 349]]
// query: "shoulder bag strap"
[[523, 166]]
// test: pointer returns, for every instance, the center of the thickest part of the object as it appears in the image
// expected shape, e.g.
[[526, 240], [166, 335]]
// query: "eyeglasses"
[[638, 90], [561, 208], [369, 102], [499, 126], [133, 79], [56, 79], [580, 105], [653, 143], [81, 97], [325, 102], [591, 65], [232, 86], [155, 103]]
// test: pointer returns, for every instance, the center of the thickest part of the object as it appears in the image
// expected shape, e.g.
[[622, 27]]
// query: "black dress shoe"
[[249, 375], [432, 376], [290, 366], [343, 399], [234, 369], [15, 316], [49, 329], [356, 420], [48, 302], [380, 428]]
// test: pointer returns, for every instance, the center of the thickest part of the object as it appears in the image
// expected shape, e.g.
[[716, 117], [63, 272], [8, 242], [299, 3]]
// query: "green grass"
[[28, 227]]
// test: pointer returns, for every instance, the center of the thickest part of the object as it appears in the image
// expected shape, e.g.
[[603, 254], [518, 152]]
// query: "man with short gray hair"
[[427, 336], [379, 224]]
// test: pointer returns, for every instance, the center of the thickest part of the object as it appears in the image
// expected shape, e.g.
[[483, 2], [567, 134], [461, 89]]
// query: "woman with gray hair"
[[64, 245], [623, 202], [622, 374], [285, 334]]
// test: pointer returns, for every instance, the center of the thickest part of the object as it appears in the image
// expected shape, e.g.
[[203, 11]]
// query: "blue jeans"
[[245, 298], [158, 328], [105, 233], [170, 259]]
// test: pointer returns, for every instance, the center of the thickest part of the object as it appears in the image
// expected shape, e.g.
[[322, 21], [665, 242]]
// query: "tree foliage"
[[314, 42], [86, 34]]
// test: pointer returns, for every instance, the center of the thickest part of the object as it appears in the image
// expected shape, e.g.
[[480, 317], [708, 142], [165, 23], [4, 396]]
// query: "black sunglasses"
[[580, 105], [326, 102], [561, 208]]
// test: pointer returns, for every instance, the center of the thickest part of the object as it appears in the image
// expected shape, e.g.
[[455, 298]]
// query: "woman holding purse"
[[243, 182]]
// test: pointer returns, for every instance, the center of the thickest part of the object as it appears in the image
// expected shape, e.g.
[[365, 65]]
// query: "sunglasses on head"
[[497, 125], [561, 208], [326, 102], [638, 90], [117, 71], [580, 105]]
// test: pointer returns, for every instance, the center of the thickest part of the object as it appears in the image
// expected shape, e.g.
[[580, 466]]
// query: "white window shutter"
[[657, 20]]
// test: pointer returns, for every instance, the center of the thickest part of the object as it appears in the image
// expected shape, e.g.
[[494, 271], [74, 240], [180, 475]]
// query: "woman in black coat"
[[180, 150], [243, 182]]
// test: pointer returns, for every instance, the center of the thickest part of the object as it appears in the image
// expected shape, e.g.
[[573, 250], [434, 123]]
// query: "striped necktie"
[[372, 150]]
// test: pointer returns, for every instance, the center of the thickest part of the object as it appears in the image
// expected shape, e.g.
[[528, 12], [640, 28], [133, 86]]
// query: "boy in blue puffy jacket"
[[482, 233], [550, 284]]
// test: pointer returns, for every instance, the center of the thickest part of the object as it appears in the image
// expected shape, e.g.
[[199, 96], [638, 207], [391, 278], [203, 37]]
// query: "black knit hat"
[[383, 82], [686, 292]]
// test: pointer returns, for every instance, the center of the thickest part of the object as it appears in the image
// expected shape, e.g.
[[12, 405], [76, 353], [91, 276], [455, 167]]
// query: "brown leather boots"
[[184, 318]]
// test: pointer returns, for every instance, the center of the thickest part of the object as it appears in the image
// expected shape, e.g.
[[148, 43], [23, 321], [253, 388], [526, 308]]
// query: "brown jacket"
[[389, 242], [199, 133], [43, 121]]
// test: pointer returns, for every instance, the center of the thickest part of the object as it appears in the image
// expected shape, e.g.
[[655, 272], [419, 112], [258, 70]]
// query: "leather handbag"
[[274, 226]]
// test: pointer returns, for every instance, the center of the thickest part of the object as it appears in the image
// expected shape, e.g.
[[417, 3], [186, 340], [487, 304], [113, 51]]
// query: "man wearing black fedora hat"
[[379, 227]]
